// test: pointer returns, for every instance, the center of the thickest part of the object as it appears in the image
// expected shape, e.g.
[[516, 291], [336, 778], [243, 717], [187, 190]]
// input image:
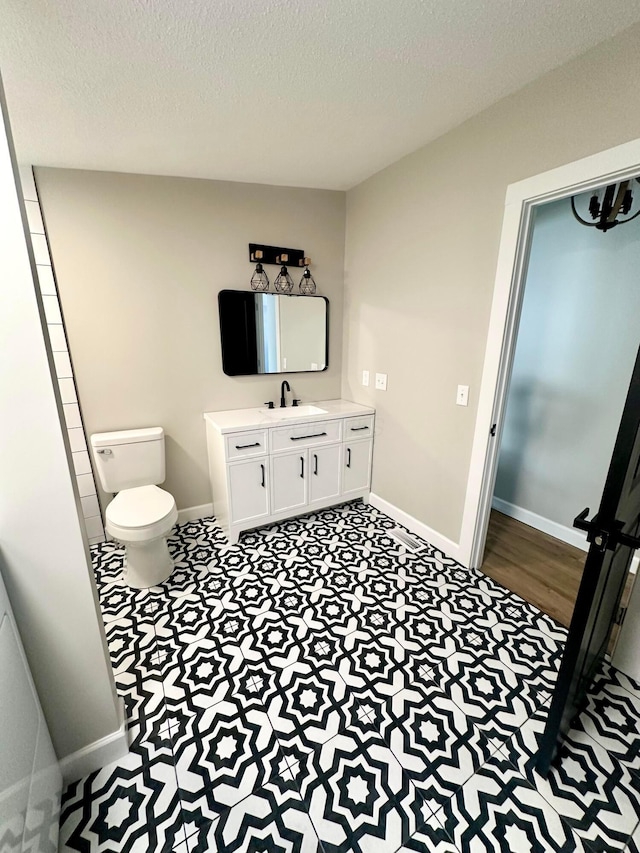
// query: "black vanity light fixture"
[[283, 282], [260, 254], [259, 279], [609, 203], [307, 282]]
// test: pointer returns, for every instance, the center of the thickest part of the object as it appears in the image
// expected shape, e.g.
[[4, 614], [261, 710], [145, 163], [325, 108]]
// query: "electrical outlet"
[[381, 381], [462, 397], [365, 377]]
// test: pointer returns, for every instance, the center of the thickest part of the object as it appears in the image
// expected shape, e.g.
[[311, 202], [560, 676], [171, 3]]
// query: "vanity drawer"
[[361, 427], [305, 435], [242, 444]]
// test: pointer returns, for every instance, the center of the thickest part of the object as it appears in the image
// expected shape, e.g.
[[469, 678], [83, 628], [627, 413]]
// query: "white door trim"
[[615, 164]]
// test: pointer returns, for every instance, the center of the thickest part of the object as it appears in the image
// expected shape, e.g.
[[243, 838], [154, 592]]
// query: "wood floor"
[[539, 568]]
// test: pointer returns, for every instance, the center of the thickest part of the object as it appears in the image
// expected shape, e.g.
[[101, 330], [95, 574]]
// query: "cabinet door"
[[324, 472], [289, 473], [356, 466], [249, 490]]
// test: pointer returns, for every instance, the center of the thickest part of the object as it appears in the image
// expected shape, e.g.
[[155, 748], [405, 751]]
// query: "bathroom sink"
[[294, 412]]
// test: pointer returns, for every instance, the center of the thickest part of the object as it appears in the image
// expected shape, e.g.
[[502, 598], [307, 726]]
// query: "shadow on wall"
[[541, 416], [521, 423], [178, 459]]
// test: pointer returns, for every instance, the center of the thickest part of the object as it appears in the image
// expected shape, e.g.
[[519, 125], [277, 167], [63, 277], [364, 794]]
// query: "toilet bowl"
[[131, 464], [141, 519]]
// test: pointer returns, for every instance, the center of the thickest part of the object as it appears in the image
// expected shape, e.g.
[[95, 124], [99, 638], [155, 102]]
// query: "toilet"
[[141, 516]]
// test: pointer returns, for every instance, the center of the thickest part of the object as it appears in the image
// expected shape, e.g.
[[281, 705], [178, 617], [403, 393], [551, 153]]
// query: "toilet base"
[[147, 563]]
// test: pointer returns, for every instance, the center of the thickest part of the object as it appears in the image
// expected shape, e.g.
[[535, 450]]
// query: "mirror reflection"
[[272, 332]]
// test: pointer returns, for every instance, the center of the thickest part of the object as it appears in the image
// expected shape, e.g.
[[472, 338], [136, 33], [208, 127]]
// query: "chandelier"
[[608, 204]]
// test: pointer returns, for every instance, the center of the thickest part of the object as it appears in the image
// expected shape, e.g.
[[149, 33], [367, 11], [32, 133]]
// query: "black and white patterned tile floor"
[[319, 688]]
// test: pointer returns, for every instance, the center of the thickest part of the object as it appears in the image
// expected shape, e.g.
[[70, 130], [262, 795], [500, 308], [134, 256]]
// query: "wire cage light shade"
[[259, 279], [283, 282], [307, 283]]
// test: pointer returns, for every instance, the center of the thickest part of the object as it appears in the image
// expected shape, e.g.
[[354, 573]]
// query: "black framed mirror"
[[273, 333]]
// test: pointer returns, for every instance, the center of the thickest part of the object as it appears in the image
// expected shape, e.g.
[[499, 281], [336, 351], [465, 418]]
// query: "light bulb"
[[307, 283], [284, 282], [259, 279]]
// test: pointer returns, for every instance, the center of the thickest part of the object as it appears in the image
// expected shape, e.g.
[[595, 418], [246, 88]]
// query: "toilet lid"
[[140, 507]]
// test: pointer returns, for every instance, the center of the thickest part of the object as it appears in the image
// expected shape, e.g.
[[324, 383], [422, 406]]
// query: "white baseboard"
[[570, 535], [97, 754], [450, 548], [559, 531], [192, 513]]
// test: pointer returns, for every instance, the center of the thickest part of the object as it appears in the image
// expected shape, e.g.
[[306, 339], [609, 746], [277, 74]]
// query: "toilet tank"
[[129, 458]]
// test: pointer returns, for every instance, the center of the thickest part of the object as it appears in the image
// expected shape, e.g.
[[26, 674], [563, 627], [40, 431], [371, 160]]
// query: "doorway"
[[575, 347], [612, 532], [521, 199]]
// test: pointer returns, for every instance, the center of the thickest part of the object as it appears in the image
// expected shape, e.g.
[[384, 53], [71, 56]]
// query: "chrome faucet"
[[283, 402]]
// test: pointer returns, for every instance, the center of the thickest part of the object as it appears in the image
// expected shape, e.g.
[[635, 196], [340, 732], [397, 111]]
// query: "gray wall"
[[421, 251], [302, 333], [139, 262], [44, 558], [578, 338]]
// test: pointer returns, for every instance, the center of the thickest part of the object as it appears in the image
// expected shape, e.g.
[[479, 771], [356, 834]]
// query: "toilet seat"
[[141, 514]]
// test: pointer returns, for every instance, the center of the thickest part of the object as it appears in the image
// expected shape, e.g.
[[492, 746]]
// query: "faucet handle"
[[269, 404], [295, 402]]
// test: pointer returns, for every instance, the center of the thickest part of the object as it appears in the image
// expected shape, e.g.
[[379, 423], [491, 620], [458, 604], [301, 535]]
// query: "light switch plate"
[[381, 381], [365, 377], [462, 397]]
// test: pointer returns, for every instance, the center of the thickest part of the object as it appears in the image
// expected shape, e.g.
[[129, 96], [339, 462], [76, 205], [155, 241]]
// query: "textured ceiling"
[[298, 92]]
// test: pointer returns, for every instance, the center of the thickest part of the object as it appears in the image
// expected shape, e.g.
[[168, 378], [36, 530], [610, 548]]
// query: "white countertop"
[[235, 420]]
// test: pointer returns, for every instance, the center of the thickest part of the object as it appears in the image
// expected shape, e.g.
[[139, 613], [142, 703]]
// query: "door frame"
[[612, 165]]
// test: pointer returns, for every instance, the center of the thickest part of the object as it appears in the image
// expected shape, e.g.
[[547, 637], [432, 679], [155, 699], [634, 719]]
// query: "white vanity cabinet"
[[248, 490], [324, 473], [305, 477], [357, 453], [264, 468], [288, 482], [357, 465], [311, 472]]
